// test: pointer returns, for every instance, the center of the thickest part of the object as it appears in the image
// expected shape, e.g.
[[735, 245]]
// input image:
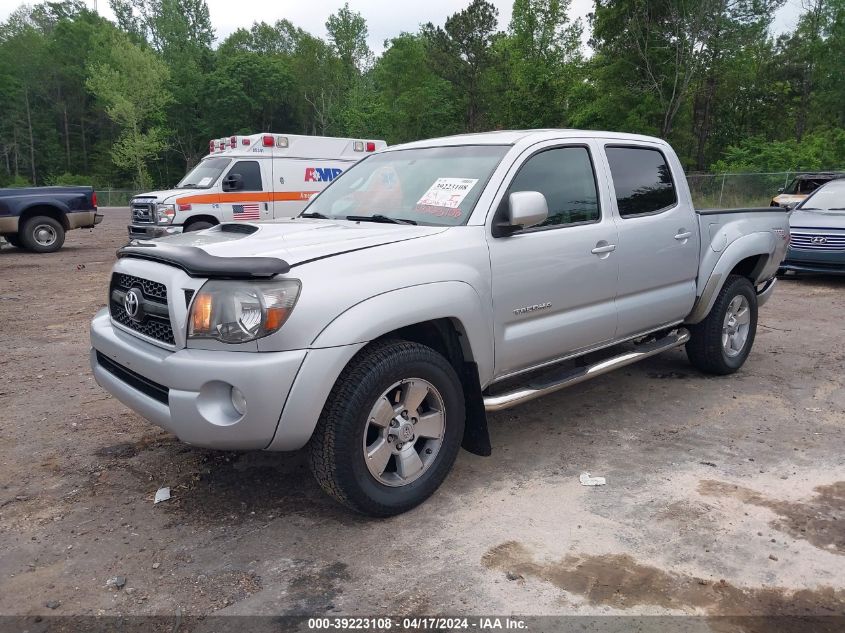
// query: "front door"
[[252, 202], [554, 285]]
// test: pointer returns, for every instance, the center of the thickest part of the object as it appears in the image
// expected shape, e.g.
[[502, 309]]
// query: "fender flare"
[[751, 245], [58, 205], [457, 301], [347, 334]]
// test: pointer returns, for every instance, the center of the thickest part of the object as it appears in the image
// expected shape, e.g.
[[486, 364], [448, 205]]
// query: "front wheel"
[[720, 344], [390, 430]]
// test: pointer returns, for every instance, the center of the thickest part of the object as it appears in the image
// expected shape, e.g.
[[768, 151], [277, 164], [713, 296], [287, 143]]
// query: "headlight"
[[241, 311], [165, 213]]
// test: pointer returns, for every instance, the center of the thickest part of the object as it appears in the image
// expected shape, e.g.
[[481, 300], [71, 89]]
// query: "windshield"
[[205, 174], [434, 185], [831, 197]]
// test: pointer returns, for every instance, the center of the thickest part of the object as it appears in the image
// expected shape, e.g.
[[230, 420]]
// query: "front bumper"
[[800, 261], [190, 390], [152, 231], [810, 267]]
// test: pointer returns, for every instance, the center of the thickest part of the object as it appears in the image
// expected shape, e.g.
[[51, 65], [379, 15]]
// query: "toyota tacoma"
[[429, 284]]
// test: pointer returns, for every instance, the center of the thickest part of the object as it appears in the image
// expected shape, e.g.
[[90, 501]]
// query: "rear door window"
[[250, 171], [642, 180]]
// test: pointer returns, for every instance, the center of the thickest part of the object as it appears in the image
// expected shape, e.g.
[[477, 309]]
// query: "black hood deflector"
[[198, 263]]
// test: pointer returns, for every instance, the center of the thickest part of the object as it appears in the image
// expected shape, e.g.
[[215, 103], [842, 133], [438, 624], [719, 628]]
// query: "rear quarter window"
[[642, 180]]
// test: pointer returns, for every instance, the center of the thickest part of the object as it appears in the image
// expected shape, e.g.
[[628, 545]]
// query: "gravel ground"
[[724, 496]]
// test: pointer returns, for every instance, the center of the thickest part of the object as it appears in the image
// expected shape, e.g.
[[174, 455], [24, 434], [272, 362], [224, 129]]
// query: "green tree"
[[415, 102], [132, 86], [536, 65], [348, 32], [462, 52]]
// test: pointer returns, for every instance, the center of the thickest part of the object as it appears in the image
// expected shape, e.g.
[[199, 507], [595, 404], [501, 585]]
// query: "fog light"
[[238, 401]]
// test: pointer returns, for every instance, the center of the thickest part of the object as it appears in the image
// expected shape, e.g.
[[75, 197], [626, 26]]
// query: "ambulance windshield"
[[432, 185], [204, 175]]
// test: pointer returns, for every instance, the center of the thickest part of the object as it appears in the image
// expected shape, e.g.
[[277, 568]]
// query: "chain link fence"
[[709, 191], [724, 191], [115, 197]]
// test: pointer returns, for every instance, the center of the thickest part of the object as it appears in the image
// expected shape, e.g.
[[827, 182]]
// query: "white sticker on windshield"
[[447, 193], [204, 181]]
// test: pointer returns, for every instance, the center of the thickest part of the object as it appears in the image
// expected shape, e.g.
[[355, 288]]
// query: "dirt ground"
[[724, 496]]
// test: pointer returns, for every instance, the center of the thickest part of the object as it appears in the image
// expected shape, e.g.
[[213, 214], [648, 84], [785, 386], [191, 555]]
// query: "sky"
[[385, 18]]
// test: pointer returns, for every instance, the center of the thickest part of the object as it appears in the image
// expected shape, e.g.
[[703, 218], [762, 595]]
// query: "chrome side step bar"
[[540, 387]]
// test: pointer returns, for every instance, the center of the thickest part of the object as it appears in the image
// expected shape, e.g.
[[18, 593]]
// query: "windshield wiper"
[[314, 214], [378, 217]]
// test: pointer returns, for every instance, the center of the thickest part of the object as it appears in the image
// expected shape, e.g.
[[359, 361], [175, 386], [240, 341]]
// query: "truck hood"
[[817, 219], [169, 195], [298, 240]]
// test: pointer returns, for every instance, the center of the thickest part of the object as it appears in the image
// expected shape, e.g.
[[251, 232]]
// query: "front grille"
[[144, 385], [153, 323], [820, 242], [143, 213]]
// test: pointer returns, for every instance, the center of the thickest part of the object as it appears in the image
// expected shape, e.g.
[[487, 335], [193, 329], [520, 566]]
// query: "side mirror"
[[791, 206], [525, 209], [233, 182], [780, 189]]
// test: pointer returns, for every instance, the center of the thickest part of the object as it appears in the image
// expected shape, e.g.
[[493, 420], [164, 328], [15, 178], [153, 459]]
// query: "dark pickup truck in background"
[[36, 218]]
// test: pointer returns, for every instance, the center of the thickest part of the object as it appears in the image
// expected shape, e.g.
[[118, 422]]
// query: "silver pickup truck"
[[429, 284]]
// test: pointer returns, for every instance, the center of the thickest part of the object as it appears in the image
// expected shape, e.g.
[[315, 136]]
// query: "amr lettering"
[[321, 174]]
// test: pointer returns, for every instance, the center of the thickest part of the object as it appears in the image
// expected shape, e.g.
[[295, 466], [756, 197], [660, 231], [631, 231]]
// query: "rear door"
[[658, 250], [554, 285]]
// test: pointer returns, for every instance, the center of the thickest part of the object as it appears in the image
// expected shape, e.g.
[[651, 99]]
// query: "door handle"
[[607, 248], [683, 235]]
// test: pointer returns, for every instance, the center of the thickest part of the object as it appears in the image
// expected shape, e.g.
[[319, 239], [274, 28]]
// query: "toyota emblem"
[[819, 239], [132, 303]]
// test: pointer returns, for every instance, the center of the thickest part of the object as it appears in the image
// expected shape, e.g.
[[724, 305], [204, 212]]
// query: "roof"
[[512, 137], [293, 146]]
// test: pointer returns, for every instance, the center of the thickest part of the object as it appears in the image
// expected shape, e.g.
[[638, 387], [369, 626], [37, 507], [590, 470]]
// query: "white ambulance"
[[247, 178]]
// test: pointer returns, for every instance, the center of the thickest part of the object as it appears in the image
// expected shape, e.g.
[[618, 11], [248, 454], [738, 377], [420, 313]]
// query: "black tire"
[[336, 449], [199, 225], [42, 234], [705, 348]]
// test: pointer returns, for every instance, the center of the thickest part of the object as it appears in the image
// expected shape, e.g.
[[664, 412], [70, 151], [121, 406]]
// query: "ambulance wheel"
[[199, 225], [42, 234]]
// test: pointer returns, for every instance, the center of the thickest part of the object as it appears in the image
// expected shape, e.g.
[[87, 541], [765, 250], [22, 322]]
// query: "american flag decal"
[[246, 211]]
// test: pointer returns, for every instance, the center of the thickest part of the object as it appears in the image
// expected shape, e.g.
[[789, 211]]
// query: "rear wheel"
[[720, 344], [390, 430], [42, 234]]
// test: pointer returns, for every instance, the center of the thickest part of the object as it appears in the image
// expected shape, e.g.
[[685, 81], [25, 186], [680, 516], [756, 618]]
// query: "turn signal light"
[[201, 313]]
